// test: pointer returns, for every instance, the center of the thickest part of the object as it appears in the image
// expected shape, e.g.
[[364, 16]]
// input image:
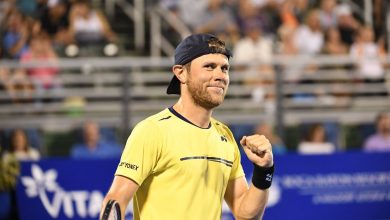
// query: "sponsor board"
[[340, 186]]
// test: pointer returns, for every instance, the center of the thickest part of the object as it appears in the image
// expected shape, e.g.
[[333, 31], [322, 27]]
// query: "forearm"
[[122, 191], [252, 204], [122, 204]]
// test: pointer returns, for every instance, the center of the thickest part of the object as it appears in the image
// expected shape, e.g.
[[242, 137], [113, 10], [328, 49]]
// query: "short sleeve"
[[237, 170], [141, 154]]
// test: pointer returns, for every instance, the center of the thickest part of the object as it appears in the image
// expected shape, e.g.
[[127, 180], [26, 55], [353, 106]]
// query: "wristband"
[[262, 176]]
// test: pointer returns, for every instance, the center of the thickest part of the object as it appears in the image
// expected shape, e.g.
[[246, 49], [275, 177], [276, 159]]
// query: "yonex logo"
[[223, 138], [129, 165]]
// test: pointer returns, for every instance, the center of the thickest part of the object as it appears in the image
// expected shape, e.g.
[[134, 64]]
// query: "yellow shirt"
[[182, 170]]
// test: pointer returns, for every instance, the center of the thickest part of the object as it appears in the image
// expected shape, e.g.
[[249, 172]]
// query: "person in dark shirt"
[[55, 22]]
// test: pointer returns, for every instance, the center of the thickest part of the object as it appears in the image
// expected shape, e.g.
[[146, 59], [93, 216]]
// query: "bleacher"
[[109, 90]]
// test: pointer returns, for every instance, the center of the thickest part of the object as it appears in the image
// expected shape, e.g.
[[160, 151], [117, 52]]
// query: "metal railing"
[[159, 43], [123, 91], [136, 12]]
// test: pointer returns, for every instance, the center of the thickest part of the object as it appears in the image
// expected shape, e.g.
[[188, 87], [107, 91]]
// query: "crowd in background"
[[256, 30], [42, 31], [288, 27]]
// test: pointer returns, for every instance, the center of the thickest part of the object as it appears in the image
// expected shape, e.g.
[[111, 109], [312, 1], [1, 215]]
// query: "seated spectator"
[[254, 48], [286, 44], [20, 148], [315, 142], [346, 23], [15, 41], [89, 26], [94, 146], [328, 16], [309, 38], [213, 16], [41, 50], [5, 8], [253, 54], [333, 43], [287, 15], [9, 173], [4, 80], [19, 86], [336, 47], [278, 147], [366, 55], [379, 142], [55, 22]]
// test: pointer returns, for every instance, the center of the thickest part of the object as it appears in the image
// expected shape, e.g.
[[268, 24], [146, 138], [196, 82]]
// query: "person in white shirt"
[[366, 55], [20, 148], [309, 38], [315, 142]]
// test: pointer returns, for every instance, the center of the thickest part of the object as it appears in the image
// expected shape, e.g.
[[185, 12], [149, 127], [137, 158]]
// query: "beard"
[[201, 97]]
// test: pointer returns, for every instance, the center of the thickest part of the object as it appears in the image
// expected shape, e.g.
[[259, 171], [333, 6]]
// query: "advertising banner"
[[339, 186]]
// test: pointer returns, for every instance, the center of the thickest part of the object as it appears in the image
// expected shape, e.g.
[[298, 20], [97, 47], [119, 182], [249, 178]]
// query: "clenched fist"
[[258, 149]]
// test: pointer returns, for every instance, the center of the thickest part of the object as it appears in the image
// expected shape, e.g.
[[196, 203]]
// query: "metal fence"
[[122, 91]]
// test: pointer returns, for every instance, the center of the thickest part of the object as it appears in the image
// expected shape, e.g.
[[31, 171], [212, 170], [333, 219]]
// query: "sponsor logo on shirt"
[[129, 165]]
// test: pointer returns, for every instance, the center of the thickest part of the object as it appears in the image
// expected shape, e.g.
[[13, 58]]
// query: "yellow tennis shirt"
[[182, 169]]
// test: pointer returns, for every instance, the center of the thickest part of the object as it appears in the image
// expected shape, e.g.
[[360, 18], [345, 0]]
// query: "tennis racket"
[[112, 211]]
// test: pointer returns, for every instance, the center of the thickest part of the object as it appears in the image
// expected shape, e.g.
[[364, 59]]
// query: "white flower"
[[40, 181]]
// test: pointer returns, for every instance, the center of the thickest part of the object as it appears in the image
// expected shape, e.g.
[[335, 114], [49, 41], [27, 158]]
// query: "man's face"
[[208, 80], [91, 134], [384, 124]]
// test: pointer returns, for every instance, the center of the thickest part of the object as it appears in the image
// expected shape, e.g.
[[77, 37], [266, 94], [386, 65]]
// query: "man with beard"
[[380, 141], [181, 163]]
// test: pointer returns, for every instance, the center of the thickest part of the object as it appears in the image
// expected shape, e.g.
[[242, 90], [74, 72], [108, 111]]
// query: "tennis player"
[[181, 163]]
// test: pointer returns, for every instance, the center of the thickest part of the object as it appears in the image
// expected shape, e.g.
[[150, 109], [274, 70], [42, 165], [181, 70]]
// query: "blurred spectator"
[[55, 21], [254, 48], [266, 14], [28, 7], [309, 38], [41, 50], [334, 46], [9, 172], [347, 24], [94, 146], [89, 26], [328, 15], [216, 18], [287, 15], [5, 8], [253, 53], [286, 44], [16, 35], [5, 85], [301, 7], [188, 10], [18, 85], [315, 142], [20, 148], [366, 55], [333, 43], [278, 147], [379, 142]]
